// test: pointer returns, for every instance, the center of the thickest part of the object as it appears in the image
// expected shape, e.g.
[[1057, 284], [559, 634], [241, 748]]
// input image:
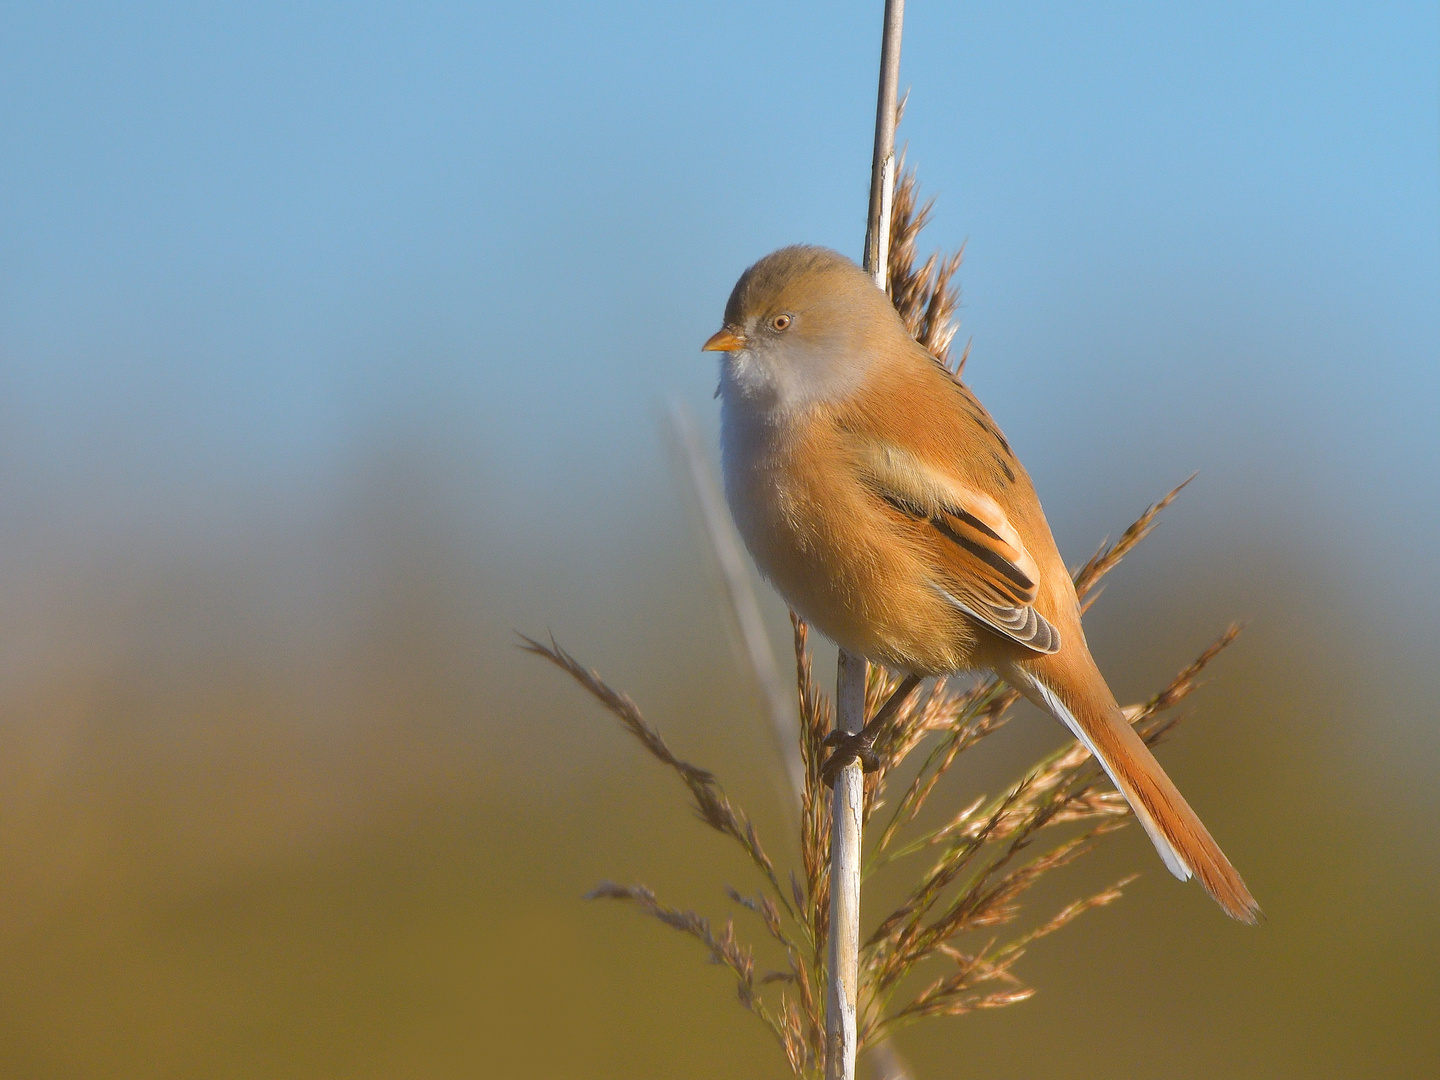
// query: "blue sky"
[[239, 244]]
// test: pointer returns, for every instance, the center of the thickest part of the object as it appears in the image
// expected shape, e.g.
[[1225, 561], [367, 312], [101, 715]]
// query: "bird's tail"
[[1093, 716]]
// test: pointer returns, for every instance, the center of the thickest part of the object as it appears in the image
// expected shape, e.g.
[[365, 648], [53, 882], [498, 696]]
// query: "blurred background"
[[334, 346]]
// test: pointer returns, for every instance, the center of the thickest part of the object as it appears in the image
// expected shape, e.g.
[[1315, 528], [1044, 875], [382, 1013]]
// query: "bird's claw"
[[848, 747]]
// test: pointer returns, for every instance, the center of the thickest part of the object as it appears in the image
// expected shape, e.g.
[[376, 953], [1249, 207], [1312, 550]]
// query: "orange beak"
[[724, 340]]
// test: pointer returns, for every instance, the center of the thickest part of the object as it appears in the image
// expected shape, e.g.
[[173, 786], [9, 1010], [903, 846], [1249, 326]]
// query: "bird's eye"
[[780, 322]]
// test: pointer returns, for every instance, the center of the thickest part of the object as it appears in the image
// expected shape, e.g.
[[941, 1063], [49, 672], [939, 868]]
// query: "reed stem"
[[842, 998]]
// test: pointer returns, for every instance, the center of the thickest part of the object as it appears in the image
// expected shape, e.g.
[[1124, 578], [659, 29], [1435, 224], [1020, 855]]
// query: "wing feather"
[[981, 565]]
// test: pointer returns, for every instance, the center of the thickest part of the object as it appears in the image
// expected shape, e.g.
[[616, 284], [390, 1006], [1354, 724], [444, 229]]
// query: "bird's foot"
[[859, 746]]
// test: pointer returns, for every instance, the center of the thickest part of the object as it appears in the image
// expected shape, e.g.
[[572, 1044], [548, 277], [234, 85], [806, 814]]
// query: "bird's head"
[[803, 326]]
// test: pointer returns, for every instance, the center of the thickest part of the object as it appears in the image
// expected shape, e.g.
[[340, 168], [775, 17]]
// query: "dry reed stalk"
[[737, 596], [847, 825], [853, 671], [847, 815], [939, 952]]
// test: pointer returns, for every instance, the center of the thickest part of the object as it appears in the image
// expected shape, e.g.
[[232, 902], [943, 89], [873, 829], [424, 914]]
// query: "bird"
[[882, 501]]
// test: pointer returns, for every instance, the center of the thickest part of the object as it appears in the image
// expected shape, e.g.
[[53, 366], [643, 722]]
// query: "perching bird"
[[879, 497]]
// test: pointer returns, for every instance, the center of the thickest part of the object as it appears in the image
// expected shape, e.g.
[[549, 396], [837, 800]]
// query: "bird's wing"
[[980, 564]]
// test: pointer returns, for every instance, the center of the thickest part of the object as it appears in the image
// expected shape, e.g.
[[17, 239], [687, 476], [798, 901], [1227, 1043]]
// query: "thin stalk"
[[740, 603], [882, 166], [842, 998]]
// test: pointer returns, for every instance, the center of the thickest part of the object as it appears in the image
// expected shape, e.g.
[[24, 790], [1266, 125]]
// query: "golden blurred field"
[[288, 803]]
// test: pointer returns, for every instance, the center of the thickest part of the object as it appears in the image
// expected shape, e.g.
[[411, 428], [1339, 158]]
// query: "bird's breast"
[[829, 546]]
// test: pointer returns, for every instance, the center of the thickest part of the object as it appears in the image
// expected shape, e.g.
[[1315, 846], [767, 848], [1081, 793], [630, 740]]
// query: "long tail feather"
[[1178, 834]]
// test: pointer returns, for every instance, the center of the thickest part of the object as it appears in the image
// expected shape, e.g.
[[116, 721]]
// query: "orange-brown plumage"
[[885, 505]]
